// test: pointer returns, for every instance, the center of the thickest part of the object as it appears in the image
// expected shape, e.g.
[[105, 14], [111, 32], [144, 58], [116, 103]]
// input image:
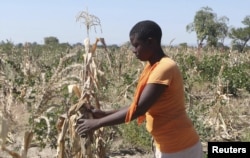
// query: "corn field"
[[45, 88]]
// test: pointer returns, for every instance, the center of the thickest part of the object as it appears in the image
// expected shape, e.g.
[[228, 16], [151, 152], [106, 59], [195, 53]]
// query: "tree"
[[208, 27], [51, 40], [241, 36]]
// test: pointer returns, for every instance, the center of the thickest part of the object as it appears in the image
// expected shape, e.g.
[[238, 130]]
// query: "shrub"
[[209, 67], [237, 78], [136, 135]]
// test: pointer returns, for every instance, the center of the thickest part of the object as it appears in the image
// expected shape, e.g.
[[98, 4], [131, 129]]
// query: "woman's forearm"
[[106, 113], [114, 117], [113, 111]]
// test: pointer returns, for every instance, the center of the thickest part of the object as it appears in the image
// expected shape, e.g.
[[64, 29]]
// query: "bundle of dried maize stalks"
[[92, 144]]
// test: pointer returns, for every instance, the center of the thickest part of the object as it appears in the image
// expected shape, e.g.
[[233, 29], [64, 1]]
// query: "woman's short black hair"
[[146, 29]]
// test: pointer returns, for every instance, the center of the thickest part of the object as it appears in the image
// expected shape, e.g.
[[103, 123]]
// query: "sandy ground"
[[36, 152], [21, 125]]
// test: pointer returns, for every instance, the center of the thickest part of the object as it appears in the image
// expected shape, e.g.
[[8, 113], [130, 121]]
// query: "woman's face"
[[141, 49]]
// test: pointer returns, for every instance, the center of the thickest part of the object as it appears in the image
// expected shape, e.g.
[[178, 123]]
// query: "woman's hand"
[[85, 125]]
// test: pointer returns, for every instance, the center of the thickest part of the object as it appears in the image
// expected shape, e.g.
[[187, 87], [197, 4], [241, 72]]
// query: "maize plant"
[[6, 117], [5, 136], [89, 20], [93, 143]]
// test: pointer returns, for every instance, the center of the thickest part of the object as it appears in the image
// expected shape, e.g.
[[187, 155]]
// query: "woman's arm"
[[149, 95], [97, 113]]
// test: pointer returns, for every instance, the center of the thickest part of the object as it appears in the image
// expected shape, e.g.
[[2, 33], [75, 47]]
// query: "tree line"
[[212, 30]]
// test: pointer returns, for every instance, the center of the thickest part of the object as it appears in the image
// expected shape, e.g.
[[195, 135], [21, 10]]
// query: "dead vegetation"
[[44, 89], [217, 114]]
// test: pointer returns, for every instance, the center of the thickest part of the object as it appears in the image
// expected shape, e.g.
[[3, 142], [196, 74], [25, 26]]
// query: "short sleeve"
[[163, 72]]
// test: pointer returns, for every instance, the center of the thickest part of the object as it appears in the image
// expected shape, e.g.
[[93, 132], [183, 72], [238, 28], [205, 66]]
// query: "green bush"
[[209, 67], [237, 78], [136, 135]]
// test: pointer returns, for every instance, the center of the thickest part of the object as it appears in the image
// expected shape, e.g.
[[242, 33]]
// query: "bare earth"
[[21, 125]]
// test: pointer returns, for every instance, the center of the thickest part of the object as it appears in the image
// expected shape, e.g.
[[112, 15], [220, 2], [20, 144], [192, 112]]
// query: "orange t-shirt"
[[167, 119]]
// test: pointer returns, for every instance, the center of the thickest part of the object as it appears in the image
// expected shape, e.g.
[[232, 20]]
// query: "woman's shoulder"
[[167, 62]]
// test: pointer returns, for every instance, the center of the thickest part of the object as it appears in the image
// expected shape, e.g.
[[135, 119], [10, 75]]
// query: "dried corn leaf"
[[12, 153], [60, 141], [3, 129], [94, 46], [26, 143], [77, 91]]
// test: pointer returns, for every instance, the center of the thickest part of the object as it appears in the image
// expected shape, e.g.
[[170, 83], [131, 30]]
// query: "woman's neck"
[[157, 57]]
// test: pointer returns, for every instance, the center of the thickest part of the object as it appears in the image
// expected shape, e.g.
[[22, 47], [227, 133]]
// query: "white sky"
[[31, 20]]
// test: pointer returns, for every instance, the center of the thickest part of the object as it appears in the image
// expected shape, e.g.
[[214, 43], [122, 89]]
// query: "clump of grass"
[[135, 135]]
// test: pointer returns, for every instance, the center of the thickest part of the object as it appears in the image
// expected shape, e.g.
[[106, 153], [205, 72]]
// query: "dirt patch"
[[20, 125]]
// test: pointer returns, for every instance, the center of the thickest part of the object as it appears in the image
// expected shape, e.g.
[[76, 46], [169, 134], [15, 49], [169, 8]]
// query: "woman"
[[159, 99]]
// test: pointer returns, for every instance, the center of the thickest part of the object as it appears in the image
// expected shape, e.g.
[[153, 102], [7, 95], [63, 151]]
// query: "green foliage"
[[6, 46], [51, 41], [37, 60], [208, 27], [186, 62], [203, 73], [234, 76], [210, 67], [46, 133], [203, 130], [183, 46], [241, 36], [136, 135], [237, 77]]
